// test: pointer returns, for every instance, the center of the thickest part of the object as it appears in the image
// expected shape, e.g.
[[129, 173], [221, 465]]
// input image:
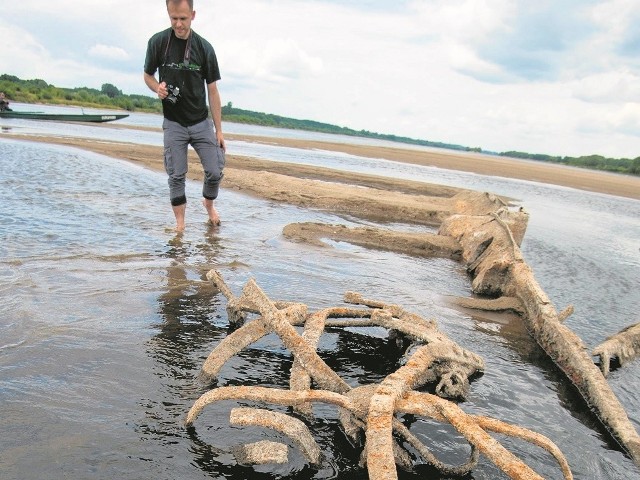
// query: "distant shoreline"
[[627, 186], [140, 103]]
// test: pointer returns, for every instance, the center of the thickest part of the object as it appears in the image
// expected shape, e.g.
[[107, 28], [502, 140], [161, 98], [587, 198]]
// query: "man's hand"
[[220, 139], [154, 86], [162, 90]]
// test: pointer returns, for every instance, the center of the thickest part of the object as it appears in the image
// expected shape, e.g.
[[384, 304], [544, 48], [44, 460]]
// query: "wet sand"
[[290, 176], [554, 174], [369, 197]]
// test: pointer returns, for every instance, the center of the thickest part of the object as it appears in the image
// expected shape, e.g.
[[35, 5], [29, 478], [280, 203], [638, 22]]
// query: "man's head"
[[181, 13], [190, 2]]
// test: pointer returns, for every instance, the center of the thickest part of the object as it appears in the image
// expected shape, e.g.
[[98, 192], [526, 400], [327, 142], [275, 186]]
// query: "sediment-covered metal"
[[367, 411], [624, 345], [498, 269], [412, 243], [261, 453], [295, 429], [489, 235]]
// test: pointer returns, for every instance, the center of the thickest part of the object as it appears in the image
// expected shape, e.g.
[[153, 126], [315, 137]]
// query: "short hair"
[[190, 2]]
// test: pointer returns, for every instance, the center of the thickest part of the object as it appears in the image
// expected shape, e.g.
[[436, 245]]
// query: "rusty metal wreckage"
[[490, 248], [370, 408]]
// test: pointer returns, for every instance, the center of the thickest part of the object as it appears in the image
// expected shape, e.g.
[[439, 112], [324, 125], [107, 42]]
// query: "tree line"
[[593, 162], [237, 115], [109, 96]]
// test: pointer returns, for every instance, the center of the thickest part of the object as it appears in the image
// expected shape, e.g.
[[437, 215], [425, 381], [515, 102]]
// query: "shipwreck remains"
[[487, 235], [624, 345], [366, 412], [498, 269], [482, 231]]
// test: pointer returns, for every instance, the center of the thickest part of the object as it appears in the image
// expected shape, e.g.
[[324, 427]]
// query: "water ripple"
[[108, 316]]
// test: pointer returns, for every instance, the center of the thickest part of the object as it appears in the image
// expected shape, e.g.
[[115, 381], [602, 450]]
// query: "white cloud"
[[28, 50], [466, 61], [615, 16], [108, 52], [464, 21], [627, 120], [36, 61], [278, 60], [457, 72], [617, 87], [283, 58], [8, 34]]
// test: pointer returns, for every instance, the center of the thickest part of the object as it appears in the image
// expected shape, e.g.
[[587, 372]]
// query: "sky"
[[557, 77]]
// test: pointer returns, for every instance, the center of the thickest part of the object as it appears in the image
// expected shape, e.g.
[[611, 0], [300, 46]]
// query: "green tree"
[[110, 90]]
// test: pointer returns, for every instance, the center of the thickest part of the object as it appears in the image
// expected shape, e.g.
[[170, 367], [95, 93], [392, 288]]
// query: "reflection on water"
[[108, 317], [187, 307]]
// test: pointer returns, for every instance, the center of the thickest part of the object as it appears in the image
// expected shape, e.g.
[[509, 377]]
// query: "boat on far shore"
[[64, 117]]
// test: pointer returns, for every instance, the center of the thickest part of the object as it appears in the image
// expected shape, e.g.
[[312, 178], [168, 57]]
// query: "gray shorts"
[[203, 140]]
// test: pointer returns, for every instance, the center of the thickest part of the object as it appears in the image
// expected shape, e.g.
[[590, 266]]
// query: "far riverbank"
[[627, 186]]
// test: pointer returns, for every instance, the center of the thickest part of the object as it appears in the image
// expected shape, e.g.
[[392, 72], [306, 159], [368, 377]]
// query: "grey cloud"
[[492, 77], [630, 44], [539, 42], [375, 5]]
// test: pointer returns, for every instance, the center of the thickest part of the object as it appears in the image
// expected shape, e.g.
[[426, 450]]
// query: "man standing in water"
[[188, 71]]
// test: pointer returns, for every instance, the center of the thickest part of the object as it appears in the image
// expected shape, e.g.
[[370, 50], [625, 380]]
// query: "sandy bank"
[[583, 179]]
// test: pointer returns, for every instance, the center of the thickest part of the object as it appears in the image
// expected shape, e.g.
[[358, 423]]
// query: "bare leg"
[[179, 213], [214, 218]]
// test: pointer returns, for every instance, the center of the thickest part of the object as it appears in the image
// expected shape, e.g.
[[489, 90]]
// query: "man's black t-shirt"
[[188, 70]]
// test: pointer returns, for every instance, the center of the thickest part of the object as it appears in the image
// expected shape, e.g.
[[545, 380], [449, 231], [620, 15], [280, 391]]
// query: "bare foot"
[[179, 212], [214, 218]]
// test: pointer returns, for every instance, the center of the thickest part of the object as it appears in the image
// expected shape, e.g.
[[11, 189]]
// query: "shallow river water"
[[107, 317]]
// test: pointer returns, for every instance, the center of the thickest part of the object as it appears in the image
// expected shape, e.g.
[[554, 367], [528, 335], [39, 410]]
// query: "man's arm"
[[159, 88], [215, 104]]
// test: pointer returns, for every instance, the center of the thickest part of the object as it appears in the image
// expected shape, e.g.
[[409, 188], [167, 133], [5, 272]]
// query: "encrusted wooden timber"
[[452, 366], [294, 342], [624, 345], [497, 267], [416, 244], [237, 309], [382, 406], [489, 304], [247, 334], [313, 329], [371, 409], [291, 427], [358, 400], [260, 453]]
